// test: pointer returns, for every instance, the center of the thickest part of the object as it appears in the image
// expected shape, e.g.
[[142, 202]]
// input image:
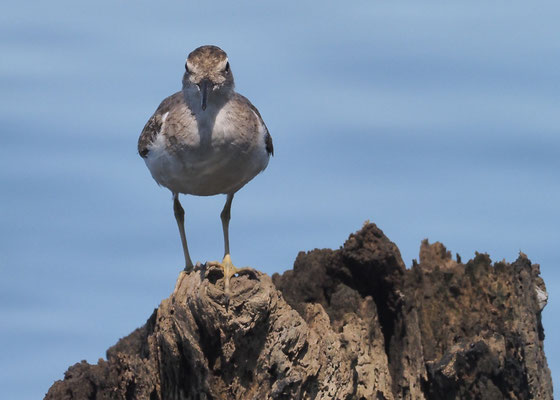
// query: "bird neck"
[[216, 100]]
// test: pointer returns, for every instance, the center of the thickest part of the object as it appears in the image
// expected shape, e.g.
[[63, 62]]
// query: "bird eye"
[[187, 68], [227, 67]]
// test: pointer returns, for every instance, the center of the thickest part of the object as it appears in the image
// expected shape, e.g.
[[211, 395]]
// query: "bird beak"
[[203, 86]]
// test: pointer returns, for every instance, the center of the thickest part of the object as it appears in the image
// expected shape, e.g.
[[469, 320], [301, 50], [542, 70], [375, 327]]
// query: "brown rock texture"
[[352, 323]]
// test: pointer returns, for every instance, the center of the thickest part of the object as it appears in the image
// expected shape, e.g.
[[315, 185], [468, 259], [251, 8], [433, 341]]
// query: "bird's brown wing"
[[153, 126], [267, 139]]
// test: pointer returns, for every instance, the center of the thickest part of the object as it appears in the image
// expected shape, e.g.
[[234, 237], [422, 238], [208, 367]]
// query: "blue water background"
[[433, 119]]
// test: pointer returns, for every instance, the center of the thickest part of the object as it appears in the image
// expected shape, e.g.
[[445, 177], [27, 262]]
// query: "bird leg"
[[180, 217], [225, 216], [226, 265]]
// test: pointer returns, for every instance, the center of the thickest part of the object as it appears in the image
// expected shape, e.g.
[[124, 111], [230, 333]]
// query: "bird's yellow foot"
[[229, 270]]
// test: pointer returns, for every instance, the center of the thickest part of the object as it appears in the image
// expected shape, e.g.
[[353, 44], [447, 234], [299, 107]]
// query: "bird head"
[[207, 75]]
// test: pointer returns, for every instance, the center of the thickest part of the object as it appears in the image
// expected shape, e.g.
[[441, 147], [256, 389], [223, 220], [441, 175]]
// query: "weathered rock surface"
[[347, 324]]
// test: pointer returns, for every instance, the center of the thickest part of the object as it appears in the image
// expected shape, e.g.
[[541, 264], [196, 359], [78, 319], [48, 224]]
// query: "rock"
[[352, 323]]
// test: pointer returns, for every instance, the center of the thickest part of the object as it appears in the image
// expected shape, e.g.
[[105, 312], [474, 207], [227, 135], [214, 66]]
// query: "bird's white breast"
[[210, 156]]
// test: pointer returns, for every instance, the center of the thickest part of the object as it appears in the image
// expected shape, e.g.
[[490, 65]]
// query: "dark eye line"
[[186, 68], [227, 67]]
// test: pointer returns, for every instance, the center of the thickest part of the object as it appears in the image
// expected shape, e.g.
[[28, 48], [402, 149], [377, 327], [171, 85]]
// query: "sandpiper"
[[206, 140]]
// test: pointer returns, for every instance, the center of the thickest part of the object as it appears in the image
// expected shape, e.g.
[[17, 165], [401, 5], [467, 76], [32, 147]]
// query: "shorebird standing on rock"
[[206, 140]]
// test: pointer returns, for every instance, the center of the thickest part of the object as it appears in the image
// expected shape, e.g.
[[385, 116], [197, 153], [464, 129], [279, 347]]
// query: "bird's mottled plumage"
[[205, 157], [206, 139]]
